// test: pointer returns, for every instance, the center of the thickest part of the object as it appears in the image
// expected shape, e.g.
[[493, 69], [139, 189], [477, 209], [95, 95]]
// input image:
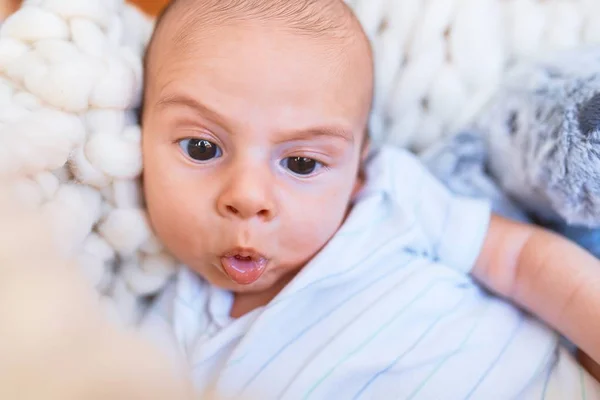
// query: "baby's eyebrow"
[[180, 100], [333, 131], [322, 131]]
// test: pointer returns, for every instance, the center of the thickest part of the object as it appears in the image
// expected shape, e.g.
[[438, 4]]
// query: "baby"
[[316, 265]]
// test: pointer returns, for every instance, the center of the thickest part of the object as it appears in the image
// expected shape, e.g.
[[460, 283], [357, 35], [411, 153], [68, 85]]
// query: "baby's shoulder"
[[403, 176]]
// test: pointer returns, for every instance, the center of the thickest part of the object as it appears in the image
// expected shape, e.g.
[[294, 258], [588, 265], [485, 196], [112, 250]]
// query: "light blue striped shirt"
[[387, 310]]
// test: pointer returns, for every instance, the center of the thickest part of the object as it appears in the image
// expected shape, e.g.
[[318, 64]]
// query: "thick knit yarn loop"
[[71, 81], [438, 61], [70, 84]]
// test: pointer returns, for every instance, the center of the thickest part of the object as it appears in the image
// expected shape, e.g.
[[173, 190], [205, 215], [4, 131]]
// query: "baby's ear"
[[366, 148], [364, 154]]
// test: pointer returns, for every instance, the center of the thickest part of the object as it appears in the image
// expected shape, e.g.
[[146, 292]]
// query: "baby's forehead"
[[184, 22], [337, 55]]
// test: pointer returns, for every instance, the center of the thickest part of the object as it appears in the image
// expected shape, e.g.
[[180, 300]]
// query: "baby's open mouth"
[[243, 266]]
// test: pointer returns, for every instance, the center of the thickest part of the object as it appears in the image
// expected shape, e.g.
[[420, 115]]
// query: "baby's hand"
[[546, 274], [497, 265]]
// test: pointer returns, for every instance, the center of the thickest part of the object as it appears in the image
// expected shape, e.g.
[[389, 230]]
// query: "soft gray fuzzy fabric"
[[536, 147], [460, 163]]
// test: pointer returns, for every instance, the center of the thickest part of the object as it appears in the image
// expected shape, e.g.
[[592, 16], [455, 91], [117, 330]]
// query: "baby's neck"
[[244, 303]]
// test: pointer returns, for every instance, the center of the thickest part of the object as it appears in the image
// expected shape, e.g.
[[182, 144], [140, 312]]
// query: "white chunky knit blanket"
[[70, 83]]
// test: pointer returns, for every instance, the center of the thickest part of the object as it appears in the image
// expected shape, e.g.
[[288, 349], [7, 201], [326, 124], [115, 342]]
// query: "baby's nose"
[[589, 116], [248, 210], [248, 196]]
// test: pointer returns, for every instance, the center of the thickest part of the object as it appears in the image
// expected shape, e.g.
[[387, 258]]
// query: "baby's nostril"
[[589, 116], [232, 210], [263, 213]]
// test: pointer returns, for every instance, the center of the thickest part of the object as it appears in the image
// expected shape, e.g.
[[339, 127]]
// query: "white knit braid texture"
[[438, 61], [71, 81]]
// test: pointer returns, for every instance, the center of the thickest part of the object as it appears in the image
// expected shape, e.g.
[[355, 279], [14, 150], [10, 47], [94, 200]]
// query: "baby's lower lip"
[[243, 270]]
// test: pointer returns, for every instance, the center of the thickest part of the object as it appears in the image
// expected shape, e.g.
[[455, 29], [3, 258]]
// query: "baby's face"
[[252, 144]]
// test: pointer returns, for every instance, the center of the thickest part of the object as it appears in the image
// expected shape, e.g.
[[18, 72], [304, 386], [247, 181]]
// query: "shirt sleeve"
[[453, 227]]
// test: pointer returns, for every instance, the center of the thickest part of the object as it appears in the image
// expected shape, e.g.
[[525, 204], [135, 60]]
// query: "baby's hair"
[[310, 17], [331, 19]]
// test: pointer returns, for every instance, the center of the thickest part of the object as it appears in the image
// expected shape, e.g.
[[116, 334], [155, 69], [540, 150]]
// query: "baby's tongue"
[[243, 270]]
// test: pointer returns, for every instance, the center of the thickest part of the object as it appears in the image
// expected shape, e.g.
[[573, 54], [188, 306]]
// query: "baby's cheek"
[[316, 221], [177, 213]]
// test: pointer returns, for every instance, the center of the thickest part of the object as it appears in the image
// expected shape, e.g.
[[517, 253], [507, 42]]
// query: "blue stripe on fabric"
[[540, 369], [354, 266], [446, 314], [445, 359], [495, 362], [546, 382], [331, 311], [374, 335]]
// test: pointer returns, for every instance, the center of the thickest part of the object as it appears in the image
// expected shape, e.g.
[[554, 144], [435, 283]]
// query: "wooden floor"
[[152, 7]]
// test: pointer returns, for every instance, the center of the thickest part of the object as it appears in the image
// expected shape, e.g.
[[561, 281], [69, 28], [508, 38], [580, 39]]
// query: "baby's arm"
[[546, 274]]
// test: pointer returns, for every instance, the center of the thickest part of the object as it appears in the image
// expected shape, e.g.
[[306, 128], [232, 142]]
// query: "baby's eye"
[[301, 165], [200, 149]]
